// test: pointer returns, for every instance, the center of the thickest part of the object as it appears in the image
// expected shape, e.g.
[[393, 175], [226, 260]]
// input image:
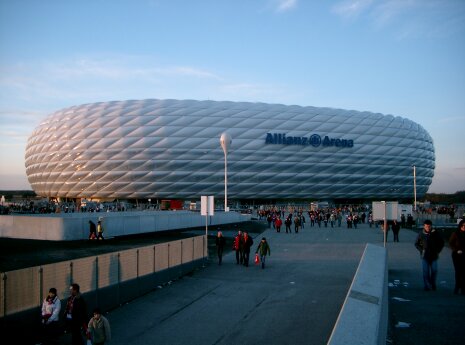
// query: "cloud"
[[87, 79], [15, 115], [351, 8], [452, 119], [285, 5], [410, 18], [122, 68]]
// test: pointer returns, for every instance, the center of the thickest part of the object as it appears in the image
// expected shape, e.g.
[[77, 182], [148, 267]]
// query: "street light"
[[414, 189], [226, 142]]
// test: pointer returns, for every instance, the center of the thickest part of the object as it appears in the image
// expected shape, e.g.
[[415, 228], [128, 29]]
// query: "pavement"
[[296, 299], [417, 316]]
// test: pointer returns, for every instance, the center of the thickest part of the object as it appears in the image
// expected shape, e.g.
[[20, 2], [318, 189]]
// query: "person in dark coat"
[[248, 242], [457, 246], [76, 315], [288, 223], [429, 243], [220, 242], [92, 231], [395, 230]]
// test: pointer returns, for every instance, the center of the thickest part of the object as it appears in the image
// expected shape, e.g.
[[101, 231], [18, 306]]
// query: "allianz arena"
[[171, 149]]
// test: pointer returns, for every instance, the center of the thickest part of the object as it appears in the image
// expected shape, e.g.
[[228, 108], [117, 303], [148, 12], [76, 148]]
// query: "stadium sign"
[[314, 140]]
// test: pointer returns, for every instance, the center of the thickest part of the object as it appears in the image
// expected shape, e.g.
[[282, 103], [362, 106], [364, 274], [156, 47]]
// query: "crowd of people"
[[296, 218], [242, 245]]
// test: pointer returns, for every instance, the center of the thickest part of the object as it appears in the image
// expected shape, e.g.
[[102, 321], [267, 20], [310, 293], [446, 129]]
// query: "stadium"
[[140, 149]]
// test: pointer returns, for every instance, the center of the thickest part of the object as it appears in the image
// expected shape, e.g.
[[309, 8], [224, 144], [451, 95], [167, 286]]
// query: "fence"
[[106, 280]]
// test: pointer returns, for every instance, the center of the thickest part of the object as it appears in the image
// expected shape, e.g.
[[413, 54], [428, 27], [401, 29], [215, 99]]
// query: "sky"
[[400, 57]]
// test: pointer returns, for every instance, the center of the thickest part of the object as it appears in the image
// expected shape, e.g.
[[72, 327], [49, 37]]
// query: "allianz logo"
[[313, 140]]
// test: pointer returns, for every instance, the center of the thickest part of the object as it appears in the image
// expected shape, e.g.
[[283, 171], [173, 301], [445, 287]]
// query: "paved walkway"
[[295, 300], [418, 316]]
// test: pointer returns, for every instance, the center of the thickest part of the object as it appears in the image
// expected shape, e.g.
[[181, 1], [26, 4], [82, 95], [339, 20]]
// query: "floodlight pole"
[[225, 141], [384, 223], [414, 189]]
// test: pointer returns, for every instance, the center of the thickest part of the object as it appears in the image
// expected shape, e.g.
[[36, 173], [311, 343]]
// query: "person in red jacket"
[[238, 246], [278, 223]]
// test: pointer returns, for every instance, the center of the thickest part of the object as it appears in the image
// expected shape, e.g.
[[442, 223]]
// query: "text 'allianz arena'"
[[171, 149]]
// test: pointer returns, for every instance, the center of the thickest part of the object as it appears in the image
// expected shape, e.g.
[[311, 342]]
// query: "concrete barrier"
[[75, 226], [364, 315]]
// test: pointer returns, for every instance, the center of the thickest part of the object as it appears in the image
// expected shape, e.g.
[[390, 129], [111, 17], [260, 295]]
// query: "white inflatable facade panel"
[[171, 149]]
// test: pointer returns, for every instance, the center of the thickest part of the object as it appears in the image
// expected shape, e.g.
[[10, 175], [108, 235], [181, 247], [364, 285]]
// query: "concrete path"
[[295, 300], [421, 317]]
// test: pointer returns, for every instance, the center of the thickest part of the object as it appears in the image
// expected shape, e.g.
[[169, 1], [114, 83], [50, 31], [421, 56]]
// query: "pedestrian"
[[296, 224], [76, 315], [92, 231], [278, 224], [288, 223], [402, 221], [429, 243], [395, 230], [238, 247], [51, 307], [220, 242], [98, 329], [248, 242], [263, 250], [457, 245], [100, 229], [409, 221]]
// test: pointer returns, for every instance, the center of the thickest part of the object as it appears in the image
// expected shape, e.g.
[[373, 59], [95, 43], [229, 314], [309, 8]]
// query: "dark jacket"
[[457, 241], [429, 245], [78, 310], [247, 244], [220, 241]]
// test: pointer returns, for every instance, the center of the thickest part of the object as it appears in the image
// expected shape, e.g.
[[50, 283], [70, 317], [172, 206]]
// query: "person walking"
[[92, 231], [263, 250], [457, 245], [238, 247], [98, 328], [278, 224], [76, 315], [51, 307], [248, 242], [220, 242], [429, 243], [288, 223], [100, 229], [296, 224], [395, 226]]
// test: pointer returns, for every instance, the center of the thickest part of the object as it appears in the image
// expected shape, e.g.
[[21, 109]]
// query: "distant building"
[[171, 149]]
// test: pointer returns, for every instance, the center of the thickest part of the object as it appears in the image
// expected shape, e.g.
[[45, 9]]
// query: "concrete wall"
[[75, 226], [363, 318]]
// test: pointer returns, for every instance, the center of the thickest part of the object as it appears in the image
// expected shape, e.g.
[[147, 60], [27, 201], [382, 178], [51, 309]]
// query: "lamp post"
[[414, 189], [226, 142]]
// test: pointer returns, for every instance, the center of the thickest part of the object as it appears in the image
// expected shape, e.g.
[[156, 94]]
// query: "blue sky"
[[399, 57]]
